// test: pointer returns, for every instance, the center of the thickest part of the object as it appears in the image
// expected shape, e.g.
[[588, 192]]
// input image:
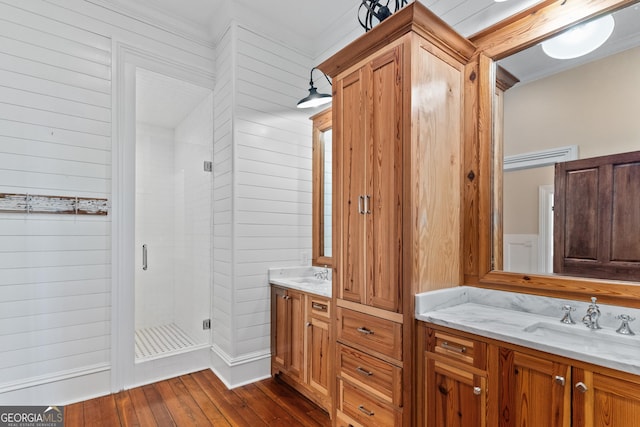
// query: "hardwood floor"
[[199, 399]]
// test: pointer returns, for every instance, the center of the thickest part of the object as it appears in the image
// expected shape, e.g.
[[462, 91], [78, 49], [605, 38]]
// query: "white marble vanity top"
[[534, 322], [302, 279]]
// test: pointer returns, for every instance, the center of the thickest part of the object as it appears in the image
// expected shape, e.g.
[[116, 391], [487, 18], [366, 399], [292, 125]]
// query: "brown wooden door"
[[456, 397], [349, 130], [604, 401], [318, 355], [597, 217], [535, 392], [384, 181]]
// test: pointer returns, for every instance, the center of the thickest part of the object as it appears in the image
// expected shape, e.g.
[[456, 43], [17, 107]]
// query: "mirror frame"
[[519, 32], [322, 122]]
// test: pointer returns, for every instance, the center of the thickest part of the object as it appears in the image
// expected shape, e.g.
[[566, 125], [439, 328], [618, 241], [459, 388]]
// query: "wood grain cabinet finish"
[[301, 343], [597, 217], [399, 97], [506, 385]]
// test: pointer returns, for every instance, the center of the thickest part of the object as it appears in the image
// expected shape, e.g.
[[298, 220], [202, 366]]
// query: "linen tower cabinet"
[[398, 111]]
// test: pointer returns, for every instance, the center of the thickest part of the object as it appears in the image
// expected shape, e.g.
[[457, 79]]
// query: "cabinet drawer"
[[370, 332], [318, 307], [459, 348], [376, 376], [366, 409]]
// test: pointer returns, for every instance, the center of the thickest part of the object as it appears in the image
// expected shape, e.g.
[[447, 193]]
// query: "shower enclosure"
[[173, 192]]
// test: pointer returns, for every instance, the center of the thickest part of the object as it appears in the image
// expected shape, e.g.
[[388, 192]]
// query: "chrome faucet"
[[322, 274], [593, 314]]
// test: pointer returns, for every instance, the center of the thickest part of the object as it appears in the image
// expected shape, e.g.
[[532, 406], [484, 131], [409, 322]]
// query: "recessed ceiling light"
[[580, 39]]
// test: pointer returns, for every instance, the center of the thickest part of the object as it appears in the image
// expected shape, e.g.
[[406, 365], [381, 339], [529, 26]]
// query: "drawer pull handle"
[[365, 331], [365, 411], [450, 347], [317, 306], [363, 371]]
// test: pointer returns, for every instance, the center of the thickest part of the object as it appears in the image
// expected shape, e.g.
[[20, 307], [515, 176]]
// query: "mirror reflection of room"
[[562, 110]]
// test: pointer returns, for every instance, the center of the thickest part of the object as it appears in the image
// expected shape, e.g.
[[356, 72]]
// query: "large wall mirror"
[[553, 110], [322, 189]]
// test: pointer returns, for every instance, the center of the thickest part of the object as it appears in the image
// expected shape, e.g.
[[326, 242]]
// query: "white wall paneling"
[[57, 292]]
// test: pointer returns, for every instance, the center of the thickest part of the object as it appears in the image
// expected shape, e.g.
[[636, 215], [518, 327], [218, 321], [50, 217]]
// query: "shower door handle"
[[144, 257]]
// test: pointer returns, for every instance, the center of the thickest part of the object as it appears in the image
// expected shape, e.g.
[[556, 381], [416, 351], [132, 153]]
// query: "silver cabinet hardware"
[[363, 371], [144, 257], [624, 328], [582, 387], [567, 314], [365, 331], [286, 297], [559, 380], [367, 209], [318, 306], [455, 348], [477, 391], [360, 204], [308, 324], [365, 411]]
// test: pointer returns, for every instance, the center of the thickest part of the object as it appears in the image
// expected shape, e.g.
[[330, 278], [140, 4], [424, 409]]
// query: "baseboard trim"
[[238, 371]]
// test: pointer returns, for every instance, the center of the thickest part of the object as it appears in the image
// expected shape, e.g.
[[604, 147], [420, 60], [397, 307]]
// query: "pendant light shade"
[[314, 99]]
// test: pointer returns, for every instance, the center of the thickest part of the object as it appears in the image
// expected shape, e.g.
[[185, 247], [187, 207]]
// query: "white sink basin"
[[310, 281], [579, 338]]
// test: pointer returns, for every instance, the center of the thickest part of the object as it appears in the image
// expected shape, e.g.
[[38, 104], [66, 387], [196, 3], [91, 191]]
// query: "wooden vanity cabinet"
[[473, 381], [300, 343], [399, 97]]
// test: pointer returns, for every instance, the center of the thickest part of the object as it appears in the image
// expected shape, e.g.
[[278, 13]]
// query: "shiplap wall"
[[56, 138], [262, 187]]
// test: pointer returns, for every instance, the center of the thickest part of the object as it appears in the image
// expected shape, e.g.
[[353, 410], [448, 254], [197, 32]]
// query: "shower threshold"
[[164, 340]]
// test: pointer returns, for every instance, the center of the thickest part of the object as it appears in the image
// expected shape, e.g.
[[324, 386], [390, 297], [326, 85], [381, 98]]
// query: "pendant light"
[[314, 99]]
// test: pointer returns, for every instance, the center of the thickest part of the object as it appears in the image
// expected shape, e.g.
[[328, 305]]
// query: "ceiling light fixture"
[[580, 40], [314, 99]]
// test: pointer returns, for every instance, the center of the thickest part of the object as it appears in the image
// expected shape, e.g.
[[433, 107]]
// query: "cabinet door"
[[279, 320], [349, 129], [318, 355], [456, 397], [369, 131], [537, 392], [604, 401], [295, 363], [384, 181]]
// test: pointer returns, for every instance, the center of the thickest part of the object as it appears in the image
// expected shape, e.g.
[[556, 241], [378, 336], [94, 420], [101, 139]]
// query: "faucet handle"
[[567, 314], [624, 328]]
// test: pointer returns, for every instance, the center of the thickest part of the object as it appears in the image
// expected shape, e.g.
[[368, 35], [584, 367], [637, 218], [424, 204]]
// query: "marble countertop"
[[534, 322], [301, 279]]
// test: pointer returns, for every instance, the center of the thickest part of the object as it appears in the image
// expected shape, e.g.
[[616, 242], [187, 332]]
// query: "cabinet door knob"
[[559, 380], [477, 391], [308, 324], [365, 331], [582, 387]]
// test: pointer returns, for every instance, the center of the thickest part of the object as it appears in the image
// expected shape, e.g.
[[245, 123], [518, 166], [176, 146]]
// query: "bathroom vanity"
[[492, 358], [300, 334]]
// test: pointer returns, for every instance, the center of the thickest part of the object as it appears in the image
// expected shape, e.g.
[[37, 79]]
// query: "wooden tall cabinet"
[[397, 124]]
